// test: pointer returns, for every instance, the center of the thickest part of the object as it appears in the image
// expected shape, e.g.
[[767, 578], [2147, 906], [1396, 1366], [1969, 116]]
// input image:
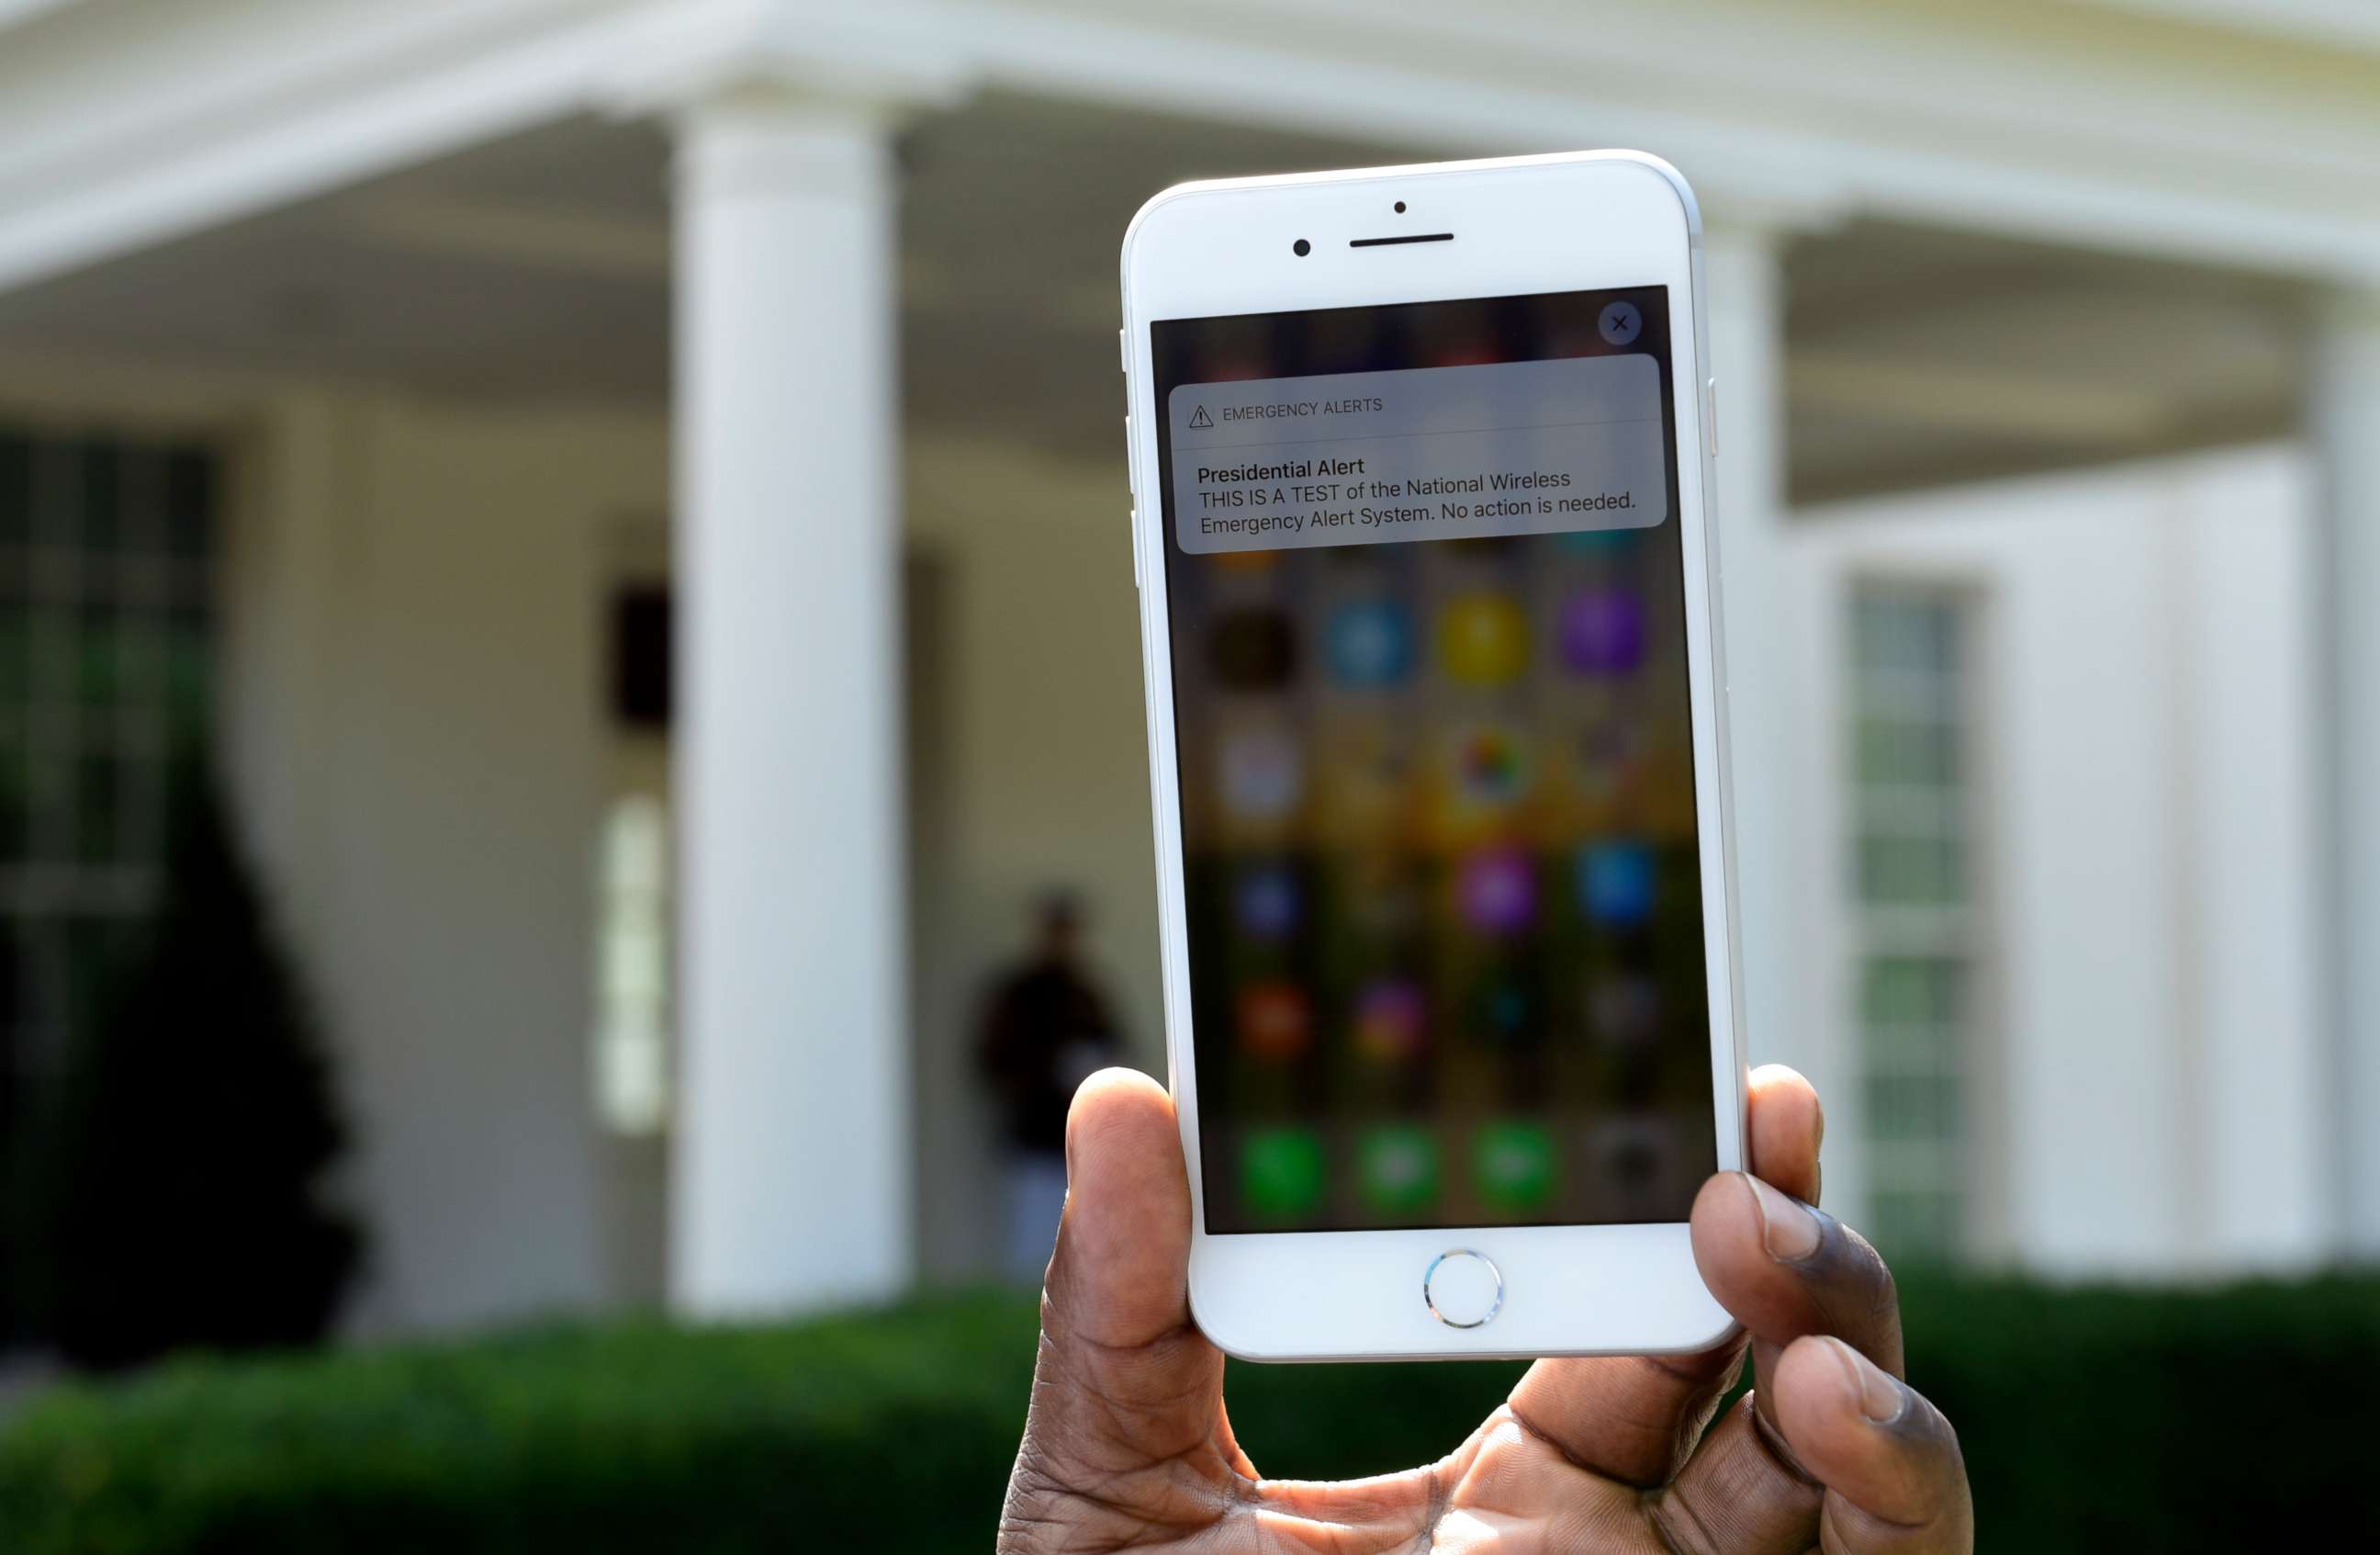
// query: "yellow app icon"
[[1483, 640]]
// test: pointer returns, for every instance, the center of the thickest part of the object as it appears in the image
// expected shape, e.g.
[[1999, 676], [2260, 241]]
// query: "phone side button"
[[1134, 519], [1463, 1288], [1711, 415]]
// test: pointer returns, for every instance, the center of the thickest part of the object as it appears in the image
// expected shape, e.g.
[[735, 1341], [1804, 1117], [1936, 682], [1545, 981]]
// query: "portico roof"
[[536, 264]]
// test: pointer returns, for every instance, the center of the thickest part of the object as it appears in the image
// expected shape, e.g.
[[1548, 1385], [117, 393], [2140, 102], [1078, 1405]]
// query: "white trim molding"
[[2172, 129]]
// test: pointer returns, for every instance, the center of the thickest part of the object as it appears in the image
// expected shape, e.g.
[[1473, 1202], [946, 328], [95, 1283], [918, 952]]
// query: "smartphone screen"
[[1445, 916]]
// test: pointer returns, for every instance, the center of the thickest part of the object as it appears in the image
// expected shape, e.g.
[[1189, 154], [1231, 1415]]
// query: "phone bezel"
[[1574, 221]]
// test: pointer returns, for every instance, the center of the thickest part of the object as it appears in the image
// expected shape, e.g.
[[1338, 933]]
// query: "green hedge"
[[2093, 1419]]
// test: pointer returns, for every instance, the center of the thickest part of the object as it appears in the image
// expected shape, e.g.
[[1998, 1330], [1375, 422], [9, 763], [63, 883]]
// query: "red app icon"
[[1276, 1022]]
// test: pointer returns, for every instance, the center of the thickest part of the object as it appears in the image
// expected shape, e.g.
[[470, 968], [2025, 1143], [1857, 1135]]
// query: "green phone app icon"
[[1512, 1163], [1396, 1165], [1281, 1171]]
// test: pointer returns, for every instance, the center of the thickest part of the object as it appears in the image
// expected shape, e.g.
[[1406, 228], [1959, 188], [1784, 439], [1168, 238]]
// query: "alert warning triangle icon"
[[1198, 417]]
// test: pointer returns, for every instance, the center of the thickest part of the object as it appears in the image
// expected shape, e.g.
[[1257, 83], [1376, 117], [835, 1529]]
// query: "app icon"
[[1383, 901], [1483, 640], [1624, 1011], [1610, 753], [1496, 890], [1490, 770], [1254, 649], [1390, 1020], [1635, 1160], [1370, 642], [1281, 1171], [1268, 900], [1504, 1012], [1621, 324], [1263, 774], [1602, 631], [1633, 1165], [1364, 778], [1615, 882], [1512, 1165], [1276, 1022], [1397, 1167]]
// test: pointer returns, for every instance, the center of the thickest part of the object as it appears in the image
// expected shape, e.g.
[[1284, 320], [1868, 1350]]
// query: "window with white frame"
[[1914, 919], [632, 968], [104, 666]]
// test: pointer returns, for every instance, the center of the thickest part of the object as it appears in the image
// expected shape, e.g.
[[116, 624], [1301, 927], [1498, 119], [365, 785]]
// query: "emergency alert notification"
[[1432, 453]]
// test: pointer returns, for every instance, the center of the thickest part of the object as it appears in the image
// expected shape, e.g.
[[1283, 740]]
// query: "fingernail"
[[1881, 1398], [1788, 1230]]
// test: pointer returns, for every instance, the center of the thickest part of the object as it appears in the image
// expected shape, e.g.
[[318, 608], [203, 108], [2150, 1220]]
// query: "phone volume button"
[[1134, 519]]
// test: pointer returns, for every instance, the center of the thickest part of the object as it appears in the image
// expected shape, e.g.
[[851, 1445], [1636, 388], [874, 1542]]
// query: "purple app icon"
[[1498, 891], [1389, 1019], [1602, 631]]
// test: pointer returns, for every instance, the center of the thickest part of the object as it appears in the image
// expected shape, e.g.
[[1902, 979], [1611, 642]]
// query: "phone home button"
[[1463, 1288]]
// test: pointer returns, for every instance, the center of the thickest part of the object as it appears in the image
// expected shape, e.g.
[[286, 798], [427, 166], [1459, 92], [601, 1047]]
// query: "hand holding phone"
[[1128, 1443]]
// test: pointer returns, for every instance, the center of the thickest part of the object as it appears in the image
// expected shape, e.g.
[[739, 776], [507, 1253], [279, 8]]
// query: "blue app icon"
[[1370, 642], [1615, 882], [1269, 902]]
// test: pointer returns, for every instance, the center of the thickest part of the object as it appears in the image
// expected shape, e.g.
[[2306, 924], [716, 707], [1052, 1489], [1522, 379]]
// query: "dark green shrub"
[[174, 1192], [2093, 1420]]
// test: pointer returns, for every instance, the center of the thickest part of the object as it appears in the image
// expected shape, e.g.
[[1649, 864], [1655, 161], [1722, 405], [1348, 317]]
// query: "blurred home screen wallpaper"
[[1439, 815]]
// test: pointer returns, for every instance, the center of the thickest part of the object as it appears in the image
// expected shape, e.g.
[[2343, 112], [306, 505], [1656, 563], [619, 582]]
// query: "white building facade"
[[2048, 345]]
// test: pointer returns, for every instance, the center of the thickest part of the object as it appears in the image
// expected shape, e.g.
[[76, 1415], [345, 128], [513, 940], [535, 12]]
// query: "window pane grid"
[[105, 587], [1903, 697], [1910, 810], [55, 575], [1910, 879]]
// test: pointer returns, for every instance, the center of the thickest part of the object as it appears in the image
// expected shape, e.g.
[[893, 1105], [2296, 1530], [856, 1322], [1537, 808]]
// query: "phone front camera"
[[1301, 248]]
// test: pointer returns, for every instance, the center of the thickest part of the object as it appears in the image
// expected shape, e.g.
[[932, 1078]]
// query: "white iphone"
[[1437, 735]]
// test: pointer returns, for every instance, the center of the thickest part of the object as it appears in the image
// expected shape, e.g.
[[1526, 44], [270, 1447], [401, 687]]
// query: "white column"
[[1743, 277], [791, 1184], [2346, 425]]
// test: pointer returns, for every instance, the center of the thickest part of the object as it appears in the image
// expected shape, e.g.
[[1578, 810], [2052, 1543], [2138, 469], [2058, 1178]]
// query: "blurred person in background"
[[1045, 1029]]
